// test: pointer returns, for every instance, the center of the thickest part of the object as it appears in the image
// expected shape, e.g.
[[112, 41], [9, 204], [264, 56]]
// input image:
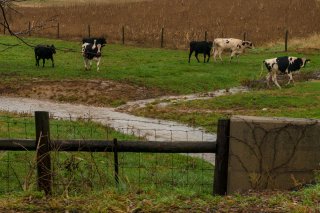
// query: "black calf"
[[204, 47]]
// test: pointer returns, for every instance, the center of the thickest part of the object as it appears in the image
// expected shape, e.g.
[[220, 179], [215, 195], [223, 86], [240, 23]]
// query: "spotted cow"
[[236, 46], [284, 65], [91, 50]]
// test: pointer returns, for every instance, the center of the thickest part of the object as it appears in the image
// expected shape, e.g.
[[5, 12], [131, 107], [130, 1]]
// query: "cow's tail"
[[261, 70], [213, 48]]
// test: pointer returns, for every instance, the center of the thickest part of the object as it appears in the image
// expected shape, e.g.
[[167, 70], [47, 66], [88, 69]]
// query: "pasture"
[[126, 72], [152, 72]]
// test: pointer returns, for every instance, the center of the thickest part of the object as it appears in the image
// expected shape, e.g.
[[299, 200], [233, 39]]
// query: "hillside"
[[182, 20]]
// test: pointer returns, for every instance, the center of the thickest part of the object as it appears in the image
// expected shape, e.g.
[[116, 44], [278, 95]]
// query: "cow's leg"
[[232, 55], [85, 63], [43, 61], [290, 78], [204, 57], [220, 52], [196, 54], [208, 57], [191, 51], [37, 60], [268, 79], [52, 61], [274, 79], [215, 54], [98, 63]]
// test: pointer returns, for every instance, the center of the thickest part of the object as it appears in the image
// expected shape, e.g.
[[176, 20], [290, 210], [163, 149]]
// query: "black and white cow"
[[91, 50], [284, 65], [44, 52], [236, 46], [204, 47]]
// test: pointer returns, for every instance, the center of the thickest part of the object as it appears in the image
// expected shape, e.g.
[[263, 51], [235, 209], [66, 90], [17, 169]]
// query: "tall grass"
[[183, 20]]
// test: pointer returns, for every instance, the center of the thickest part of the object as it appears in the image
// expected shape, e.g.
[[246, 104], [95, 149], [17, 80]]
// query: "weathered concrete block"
[[272, 153]]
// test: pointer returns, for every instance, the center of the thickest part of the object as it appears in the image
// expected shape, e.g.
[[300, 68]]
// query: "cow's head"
[[247, 44], [102, 41], [53, 49], [305, 61]]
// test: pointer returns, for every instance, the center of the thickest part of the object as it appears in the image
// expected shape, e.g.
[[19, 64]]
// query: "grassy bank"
[[299, 101]]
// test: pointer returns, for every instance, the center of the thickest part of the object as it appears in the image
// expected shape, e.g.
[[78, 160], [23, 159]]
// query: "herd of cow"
[[91, 50]]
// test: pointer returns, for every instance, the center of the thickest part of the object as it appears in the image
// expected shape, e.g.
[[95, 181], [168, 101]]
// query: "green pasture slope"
[[161, 68], [299, 101]]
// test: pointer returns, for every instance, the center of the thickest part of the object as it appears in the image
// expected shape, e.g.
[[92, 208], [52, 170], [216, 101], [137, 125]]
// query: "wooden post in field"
[[116, 162], [29, 28], [222, 155], [162, 32], [58, 30], [44, 178], [205, 35], [245, 36], [286, 41], [89, 29], [122, 34]]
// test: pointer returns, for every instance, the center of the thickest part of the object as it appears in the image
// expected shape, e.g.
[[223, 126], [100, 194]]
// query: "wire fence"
[[80, 172]]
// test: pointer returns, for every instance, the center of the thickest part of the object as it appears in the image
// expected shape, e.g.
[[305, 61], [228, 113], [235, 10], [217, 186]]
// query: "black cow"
[[285, 65], [204, 47], [44, 52], [91, 50]]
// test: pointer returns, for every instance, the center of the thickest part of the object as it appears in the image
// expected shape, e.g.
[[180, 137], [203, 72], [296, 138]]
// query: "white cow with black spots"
[[284, 65], [236, 46]]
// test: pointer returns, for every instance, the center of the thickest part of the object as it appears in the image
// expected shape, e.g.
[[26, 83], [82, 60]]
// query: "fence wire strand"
[[76, 172]]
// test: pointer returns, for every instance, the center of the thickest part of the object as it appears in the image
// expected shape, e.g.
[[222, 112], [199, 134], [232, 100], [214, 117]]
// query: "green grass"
[[299, 101], [79, 172], [160, 68]]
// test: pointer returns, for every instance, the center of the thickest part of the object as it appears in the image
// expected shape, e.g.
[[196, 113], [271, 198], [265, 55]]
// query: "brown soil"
[[93, 92]]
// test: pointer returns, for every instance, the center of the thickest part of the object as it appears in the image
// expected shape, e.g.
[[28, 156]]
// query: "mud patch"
[[91, 92], [283, 79]]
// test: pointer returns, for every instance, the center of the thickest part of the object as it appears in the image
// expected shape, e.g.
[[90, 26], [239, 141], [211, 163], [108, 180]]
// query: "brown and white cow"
[[284, 65], [236, 46]]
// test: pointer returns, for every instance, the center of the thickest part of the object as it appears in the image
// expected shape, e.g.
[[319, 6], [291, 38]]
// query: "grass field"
[[165, 71], [155, 69]]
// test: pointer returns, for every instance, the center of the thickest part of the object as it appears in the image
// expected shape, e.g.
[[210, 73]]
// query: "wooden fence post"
[[58, 30], [44, 177], [162, 32], [29, 28], [205, 35], [122, 34], [89, 30], [116, 161], [222, 156], [286, 41], [245, 36]]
